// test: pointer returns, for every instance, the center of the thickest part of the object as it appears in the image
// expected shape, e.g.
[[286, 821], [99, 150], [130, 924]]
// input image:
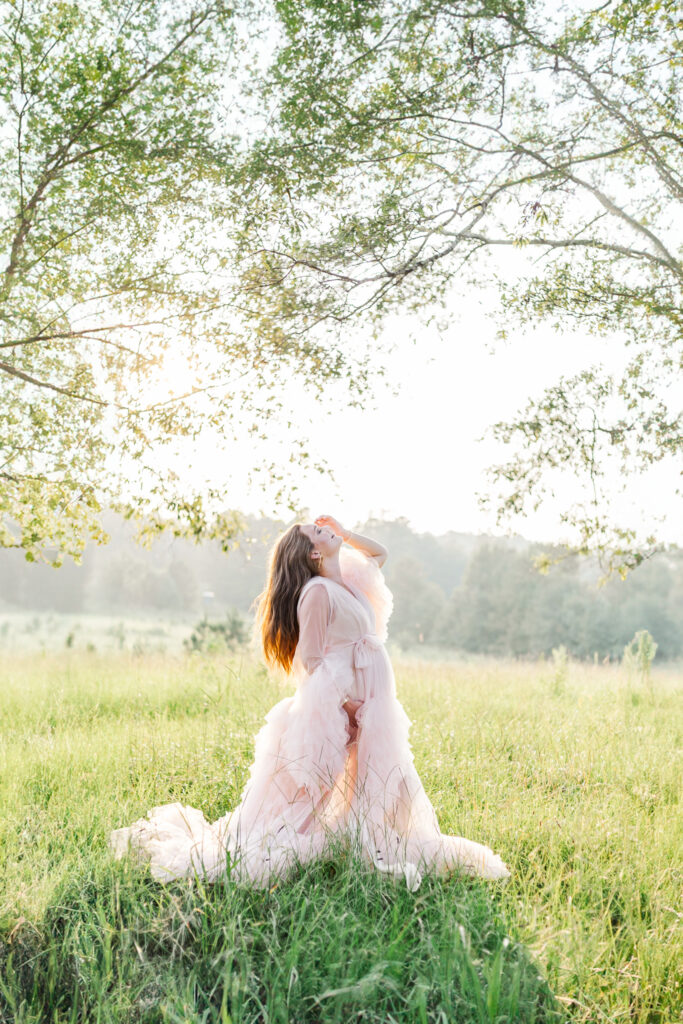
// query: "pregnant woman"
[[333, 762]]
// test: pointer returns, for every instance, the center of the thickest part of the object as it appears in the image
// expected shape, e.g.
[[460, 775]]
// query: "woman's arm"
[[371, 548], [314, 617]]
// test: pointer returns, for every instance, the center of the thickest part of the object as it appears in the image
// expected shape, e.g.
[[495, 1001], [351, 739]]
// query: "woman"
[[334, 760]]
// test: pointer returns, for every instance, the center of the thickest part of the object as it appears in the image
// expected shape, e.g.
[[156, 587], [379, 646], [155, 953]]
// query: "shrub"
[[639, 654], [210, 637], [560, 664]]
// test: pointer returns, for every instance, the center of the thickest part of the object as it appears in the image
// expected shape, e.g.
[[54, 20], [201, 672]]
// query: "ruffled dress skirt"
[[309, 789]]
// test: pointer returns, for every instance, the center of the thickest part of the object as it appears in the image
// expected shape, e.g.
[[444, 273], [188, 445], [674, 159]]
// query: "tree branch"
[[55, 162], [630, 123], [13, 371]]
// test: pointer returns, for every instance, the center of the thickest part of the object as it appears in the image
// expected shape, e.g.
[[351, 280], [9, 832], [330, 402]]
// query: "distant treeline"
[[477, 594]]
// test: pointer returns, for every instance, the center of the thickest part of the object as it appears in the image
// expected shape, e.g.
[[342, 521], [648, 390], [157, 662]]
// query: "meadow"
[[572, 772]]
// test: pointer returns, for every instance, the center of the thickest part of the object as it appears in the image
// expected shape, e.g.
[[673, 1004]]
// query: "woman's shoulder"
[[316, 584]]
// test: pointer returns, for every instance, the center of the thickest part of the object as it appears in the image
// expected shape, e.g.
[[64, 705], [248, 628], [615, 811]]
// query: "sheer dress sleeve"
[[314, 618]]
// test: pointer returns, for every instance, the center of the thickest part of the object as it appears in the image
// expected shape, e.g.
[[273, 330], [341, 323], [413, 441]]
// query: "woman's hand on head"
[[333, 525]]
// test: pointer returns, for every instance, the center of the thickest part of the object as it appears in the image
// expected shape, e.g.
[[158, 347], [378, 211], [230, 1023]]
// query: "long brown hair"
[[291, 566]]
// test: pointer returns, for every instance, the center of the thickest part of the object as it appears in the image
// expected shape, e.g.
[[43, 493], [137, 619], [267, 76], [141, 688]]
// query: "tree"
[[417, 602], [443, 558], [120, 206], [489, 611], [409, 142], [504, 607]]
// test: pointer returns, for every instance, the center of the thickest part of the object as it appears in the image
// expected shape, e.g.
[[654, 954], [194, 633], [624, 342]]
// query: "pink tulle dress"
[[308, 783]]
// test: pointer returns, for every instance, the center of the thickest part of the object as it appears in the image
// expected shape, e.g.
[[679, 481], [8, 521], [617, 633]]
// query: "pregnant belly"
[[357, 672]]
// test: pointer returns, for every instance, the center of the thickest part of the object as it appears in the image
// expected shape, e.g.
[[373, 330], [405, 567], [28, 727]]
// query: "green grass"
[[576, 781], [146, 633]]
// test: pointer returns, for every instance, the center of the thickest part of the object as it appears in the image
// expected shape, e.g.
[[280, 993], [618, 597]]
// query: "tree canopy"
[[411, 141], [120, 208], [235, 189]]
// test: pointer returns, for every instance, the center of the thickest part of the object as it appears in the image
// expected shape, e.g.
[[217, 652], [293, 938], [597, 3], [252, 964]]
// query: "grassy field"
[[574, 777], [43, 632]]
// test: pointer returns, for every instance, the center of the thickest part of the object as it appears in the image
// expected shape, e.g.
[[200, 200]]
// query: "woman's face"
[[325, 542]]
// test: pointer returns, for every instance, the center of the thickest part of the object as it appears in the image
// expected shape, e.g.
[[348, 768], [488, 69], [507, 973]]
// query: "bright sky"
[[417, 454], [420, 454]]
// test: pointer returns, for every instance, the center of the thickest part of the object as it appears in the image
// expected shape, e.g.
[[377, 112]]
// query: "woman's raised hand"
[[333, 524]]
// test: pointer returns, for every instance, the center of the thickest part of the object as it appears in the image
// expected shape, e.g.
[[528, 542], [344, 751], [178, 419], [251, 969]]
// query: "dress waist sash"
[[363, 649]]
